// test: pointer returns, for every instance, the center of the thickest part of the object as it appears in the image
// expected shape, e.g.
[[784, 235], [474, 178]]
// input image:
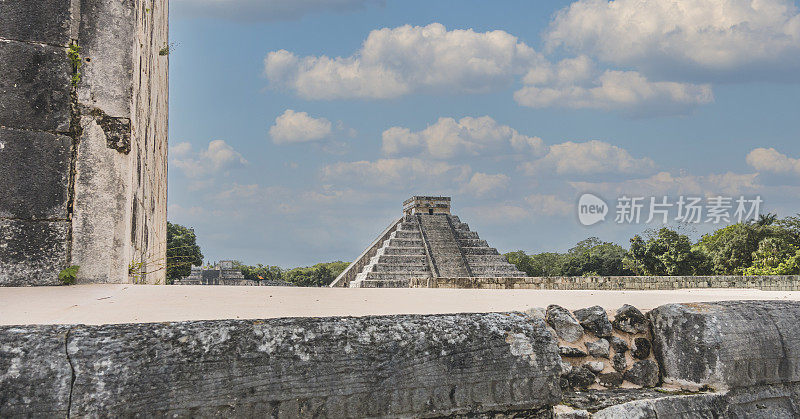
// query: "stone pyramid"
[[427, 241]]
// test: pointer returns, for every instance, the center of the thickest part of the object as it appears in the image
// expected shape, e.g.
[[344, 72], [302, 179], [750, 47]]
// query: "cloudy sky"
[[298, 127]]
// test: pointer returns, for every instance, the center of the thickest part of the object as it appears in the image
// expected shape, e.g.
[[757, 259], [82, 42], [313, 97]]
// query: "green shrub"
[[67, 276]]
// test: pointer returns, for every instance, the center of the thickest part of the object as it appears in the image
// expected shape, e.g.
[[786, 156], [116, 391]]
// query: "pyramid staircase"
[[425, 246]]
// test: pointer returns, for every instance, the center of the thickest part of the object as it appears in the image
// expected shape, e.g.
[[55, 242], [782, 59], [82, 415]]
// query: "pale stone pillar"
[[83, 140]]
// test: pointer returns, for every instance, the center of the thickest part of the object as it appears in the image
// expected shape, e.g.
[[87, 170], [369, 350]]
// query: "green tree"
[[319, 275], [775, 256], [521, 261], [548, 263], [665, 252], [260, 272], [589, 257], [790, 227], [593, 256], [182, 252], [540, 264], [730, 249]]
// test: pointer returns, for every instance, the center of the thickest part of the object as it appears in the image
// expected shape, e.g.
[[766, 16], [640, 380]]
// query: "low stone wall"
[[237, 282], [726, 360], [767, 283], [399, 366]]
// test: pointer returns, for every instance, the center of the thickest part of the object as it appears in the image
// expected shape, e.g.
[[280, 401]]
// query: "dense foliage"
[[182, 252], [768, 246], [319, 275]]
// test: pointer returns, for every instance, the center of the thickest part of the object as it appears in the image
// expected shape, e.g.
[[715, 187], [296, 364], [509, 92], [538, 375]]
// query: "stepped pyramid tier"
[[426, 242]]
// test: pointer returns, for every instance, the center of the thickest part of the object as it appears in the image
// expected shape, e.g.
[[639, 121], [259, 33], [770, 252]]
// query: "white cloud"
[[298, 127], [483, 184], [403, 172], [576, 83], [261, 10], [549, 205], [218, 157], [701, 39], [448, 138], [591, 157], [396, 61], [771, 160], [180, 149], [667, 184]]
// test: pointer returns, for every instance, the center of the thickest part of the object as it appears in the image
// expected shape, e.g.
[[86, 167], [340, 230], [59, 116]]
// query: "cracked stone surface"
[[404, 365], [35, 375], [595, 366], [619, 362], [564, 323], [629, 319], [643, 373], [641, 348], [690, 406], [728, 344], [595, 320], [619, 344], [599, 348]]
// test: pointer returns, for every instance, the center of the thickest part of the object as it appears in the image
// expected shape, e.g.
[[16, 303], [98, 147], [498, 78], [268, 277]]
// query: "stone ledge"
[[294, 367], [407, 365]]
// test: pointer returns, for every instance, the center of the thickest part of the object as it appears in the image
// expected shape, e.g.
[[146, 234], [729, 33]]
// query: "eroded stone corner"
[[116, 129]]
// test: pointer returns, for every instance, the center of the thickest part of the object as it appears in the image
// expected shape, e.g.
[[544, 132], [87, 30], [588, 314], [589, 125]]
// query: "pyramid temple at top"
[[427, 241]]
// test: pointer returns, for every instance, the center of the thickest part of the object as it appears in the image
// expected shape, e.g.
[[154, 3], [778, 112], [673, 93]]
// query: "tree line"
[[319, 275], [767, 246], [183, 252]]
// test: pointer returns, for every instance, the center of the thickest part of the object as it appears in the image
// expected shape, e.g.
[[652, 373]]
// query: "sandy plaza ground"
[[109, 304]]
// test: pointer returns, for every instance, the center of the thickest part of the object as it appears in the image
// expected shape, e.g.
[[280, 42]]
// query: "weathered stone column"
[[83, 140]]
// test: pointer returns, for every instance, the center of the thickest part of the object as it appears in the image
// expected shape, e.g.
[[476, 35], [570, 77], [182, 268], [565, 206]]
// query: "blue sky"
[[297, 128]]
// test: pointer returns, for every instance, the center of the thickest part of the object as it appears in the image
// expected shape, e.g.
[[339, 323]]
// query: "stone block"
[[35, 86], [34, 174], [35, 375], [694, 406], [43, 21], [107, 80], [728, 344], [399, 366], [32, 252]]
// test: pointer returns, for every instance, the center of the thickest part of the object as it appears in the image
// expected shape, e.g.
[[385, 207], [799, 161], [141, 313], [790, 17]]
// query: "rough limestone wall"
[[149, 139], [71, 142], [397, 366], [36, 140]]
